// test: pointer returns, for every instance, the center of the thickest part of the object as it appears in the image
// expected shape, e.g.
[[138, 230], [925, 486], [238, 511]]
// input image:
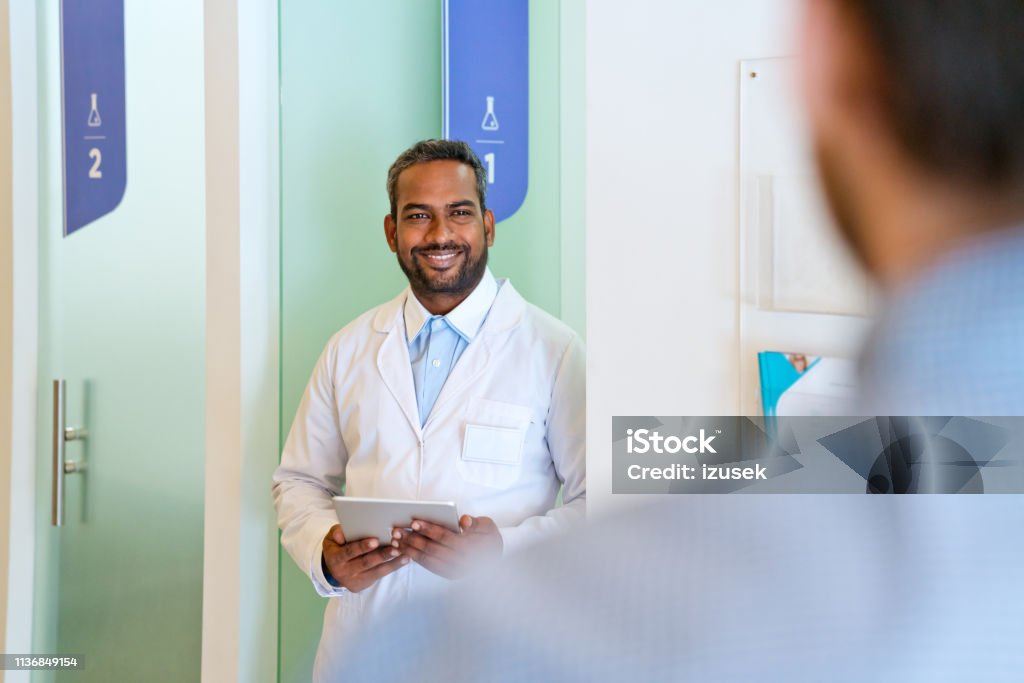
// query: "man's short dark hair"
[[436, 150], [954, 83]]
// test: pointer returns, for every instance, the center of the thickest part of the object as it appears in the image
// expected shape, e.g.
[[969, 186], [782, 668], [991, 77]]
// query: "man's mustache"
[[438, 247]]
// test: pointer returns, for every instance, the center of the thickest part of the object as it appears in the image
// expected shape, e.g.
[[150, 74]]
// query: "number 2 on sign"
[[489, 160], [96, 157]]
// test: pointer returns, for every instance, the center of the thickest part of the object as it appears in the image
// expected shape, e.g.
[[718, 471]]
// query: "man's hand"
[[358, 565], [445, 552]]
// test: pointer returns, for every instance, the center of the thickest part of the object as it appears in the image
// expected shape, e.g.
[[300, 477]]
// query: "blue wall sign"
[[92, 85], [486, 48]]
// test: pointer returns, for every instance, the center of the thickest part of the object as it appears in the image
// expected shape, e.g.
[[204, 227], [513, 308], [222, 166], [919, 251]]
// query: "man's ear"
[[489, 227], [391, 232]]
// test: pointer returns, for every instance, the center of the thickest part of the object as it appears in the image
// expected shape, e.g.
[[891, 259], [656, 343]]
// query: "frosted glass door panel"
[[121, 320]]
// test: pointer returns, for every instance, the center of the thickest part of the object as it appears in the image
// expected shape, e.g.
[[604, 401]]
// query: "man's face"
[[440, 233]]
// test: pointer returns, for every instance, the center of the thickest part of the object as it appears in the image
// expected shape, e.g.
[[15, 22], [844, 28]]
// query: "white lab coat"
[[358, 426]]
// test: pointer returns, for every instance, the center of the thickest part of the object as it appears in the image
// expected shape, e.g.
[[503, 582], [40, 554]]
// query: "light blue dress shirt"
[[437, 342], [727, 588], [951, 342]]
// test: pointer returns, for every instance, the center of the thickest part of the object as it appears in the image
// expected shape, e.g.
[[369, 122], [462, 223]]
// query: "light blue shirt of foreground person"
[[951, 340], [735, 588], [436, 342], [787, 588]]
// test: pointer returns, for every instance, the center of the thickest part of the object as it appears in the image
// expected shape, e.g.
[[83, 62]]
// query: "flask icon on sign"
[[94, 113], [490, 121]]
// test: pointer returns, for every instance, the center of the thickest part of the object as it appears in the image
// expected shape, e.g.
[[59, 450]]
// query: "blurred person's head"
[[917, 110]]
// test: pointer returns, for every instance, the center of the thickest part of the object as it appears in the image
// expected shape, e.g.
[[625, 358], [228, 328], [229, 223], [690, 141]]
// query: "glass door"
[[121, 323]]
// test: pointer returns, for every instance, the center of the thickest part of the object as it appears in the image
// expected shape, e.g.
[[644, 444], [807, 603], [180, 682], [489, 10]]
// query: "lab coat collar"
[[506, 311], [393, 358], [466, 318]]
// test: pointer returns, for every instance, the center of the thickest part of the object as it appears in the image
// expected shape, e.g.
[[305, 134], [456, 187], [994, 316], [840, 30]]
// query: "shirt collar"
[[466, 318]]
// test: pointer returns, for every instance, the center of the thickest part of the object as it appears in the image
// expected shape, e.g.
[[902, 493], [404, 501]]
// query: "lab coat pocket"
[[492, 447]]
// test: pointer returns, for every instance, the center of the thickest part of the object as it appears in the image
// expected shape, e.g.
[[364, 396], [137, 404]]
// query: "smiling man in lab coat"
[[403, 401]]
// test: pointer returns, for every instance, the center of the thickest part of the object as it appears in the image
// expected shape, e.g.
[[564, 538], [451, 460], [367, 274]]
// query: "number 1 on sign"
[[489, 160]]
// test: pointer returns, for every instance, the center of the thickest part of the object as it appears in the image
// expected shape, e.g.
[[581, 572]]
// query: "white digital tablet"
[[366, 517]]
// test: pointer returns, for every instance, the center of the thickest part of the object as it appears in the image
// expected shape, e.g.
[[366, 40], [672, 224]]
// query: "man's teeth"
[[441, 257]]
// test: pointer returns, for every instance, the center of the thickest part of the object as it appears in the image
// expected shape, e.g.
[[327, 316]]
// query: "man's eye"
[[416, 216], [461, 212]]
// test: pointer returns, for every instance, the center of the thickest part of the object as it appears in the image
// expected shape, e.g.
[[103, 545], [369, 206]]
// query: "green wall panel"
[[359, 83]]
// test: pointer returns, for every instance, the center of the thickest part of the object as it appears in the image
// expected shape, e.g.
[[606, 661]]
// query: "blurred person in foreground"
[[918, 115], [917, 108]]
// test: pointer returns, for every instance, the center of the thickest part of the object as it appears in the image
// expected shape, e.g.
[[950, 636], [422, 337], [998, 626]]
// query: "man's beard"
[[840, 202], [462, 281]]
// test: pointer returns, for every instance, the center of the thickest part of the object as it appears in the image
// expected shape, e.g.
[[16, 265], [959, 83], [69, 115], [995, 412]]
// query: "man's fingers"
[[426, 545], [435, 532], [350, 551], [334, 537], [482, 525], [370, 560], [361, 571], [383, 569], [430, 562]]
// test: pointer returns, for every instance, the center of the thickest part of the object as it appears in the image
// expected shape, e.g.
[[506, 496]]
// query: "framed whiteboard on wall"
[[800, 288]]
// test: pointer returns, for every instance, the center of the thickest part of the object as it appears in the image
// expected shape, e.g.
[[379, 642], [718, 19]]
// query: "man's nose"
[[440, 230]]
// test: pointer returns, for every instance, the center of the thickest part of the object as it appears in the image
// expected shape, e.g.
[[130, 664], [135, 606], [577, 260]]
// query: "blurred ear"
[[840, 70], [489, 227], [391, 232]]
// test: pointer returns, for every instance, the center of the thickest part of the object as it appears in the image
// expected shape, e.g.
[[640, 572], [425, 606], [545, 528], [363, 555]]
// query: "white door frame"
[[240, 579], [23, 321]]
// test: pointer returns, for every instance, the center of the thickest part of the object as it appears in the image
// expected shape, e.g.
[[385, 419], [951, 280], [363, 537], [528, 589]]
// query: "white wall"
[[662, 208]]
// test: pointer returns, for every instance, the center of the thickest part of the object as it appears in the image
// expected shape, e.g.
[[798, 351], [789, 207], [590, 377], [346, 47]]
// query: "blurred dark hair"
[[436, 150], [954, 95]]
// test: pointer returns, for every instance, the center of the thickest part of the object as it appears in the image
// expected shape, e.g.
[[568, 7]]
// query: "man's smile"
[[440, 259]]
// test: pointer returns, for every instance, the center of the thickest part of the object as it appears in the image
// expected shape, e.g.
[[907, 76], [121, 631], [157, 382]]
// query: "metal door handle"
[[61, 435]]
